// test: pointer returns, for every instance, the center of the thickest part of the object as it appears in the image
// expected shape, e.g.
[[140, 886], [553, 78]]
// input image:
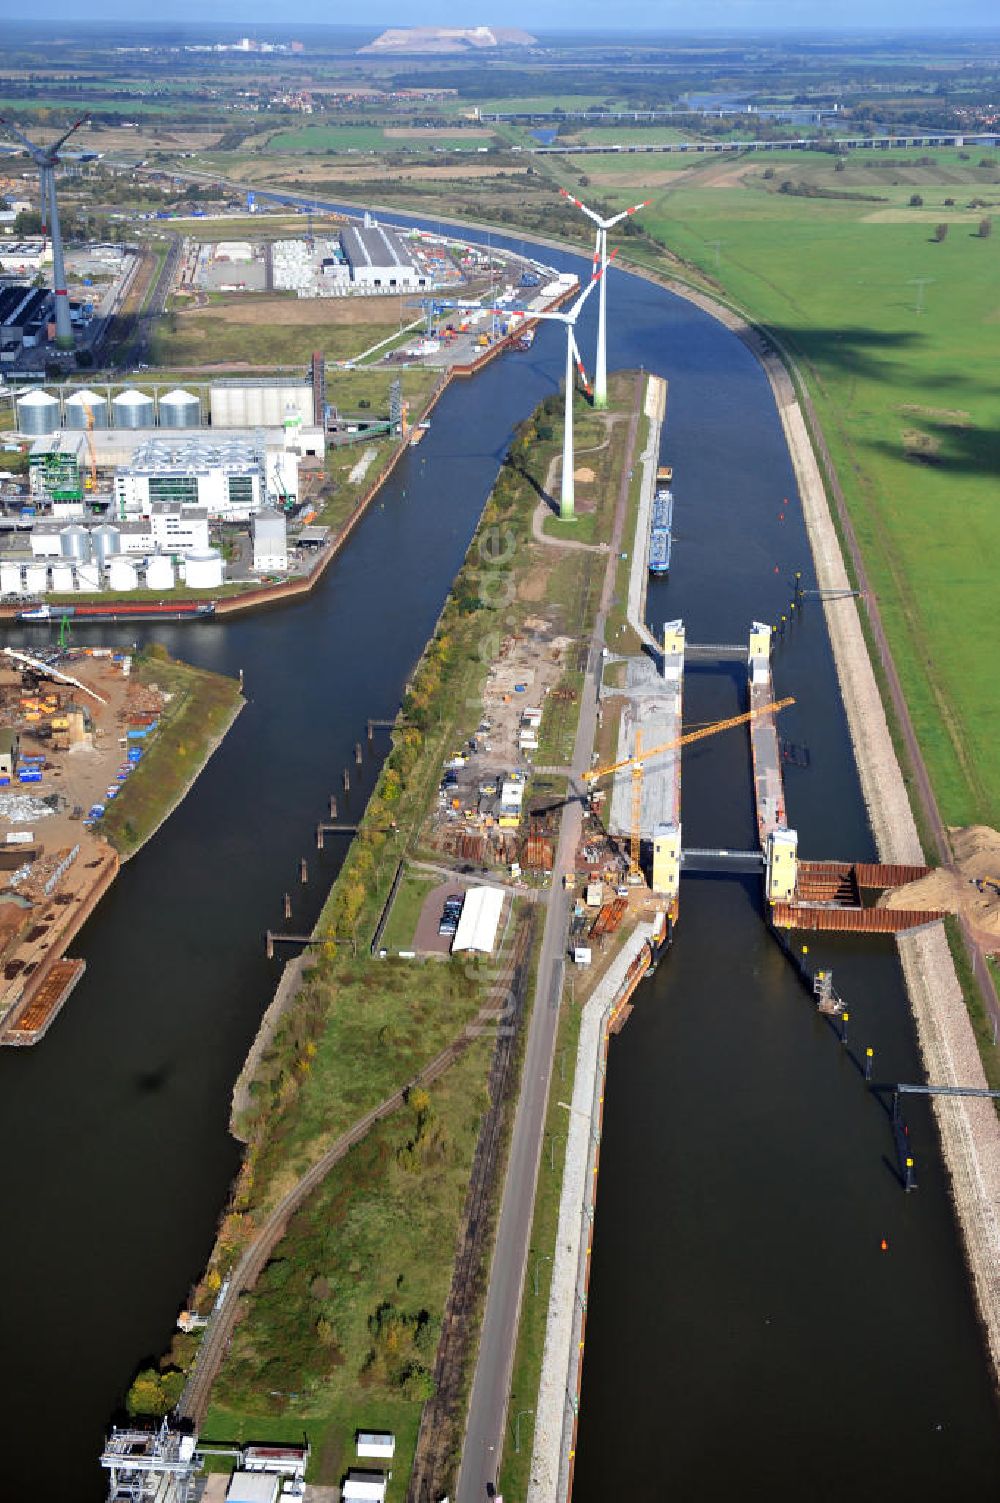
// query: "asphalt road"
[[491, 1385]]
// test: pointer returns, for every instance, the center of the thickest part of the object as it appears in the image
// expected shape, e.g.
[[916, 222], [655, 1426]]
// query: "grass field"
[[399, 931], [897, 335], [343, 1324], [269, 330]]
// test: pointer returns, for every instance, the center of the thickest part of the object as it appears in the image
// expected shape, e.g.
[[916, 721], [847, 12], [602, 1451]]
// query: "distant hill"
[[444, 39]]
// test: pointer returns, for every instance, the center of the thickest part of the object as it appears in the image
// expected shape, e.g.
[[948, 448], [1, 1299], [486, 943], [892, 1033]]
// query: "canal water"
[[744, 1326]]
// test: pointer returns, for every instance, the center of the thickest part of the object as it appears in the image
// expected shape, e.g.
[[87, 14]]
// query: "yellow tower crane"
[[641, 755], [92, 482]]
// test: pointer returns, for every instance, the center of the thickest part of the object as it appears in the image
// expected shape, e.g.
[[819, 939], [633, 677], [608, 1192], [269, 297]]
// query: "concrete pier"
[[562, 1360]]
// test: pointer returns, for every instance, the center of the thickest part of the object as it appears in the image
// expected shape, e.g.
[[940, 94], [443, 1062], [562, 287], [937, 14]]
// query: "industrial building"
[[270, 542], [225, 477], [24, 316], [379, 260], [54, 468]]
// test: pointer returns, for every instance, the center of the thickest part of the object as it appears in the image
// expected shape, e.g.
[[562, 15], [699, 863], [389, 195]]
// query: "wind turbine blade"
[[583, 208], [579, 364], [43, 199], [56, 144], [32, 148]]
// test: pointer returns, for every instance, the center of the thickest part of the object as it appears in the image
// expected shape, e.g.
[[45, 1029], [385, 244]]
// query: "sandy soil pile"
[[977, 856]]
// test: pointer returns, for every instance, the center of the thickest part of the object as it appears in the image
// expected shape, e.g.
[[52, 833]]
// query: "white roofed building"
[[224, 477], [480, 920], [379, 260]]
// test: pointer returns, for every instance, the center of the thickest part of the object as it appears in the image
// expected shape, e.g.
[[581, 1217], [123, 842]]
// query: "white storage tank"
[[180, 409], [122, 573], [36, 578], [62, 578], [88, 578], [159, 572], [203, 571], [75, 410], [74, 542], [11, 579], [37, 413], [105, 540], [133, 409]]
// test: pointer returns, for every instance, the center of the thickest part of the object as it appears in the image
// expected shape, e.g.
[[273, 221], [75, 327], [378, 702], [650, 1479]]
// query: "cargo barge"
[[661, 532], [122, 610]]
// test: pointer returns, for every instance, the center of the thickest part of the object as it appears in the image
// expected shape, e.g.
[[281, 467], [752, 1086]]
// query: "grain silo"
[[76, 408], [180, 409], [88, 578], [37, 413], [62, 578], [74, 543], [133, 409], [36, 578], [159, 572], [11, 578], [104, 541], [122, 573], [203, 571]]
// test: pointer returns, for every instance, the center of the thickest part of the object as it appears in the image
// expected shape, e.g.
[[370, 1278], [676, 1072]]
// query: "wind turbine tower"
[[46, 159], [567, 495], [601, 261]]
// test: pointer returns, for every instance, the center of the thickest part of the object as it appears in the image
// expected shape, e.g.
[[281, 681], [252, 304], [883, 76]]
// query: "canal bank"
[[725, 1069]]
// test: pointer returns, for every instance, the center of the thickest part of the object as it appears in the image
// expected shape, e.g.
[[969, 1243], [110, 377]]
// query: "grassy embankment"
[[343, 1324], [201, 709]]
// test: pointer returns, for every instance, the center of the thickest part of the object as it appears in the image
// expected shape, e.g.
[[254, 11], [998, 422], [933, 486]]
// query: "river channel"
[[745, 1330]]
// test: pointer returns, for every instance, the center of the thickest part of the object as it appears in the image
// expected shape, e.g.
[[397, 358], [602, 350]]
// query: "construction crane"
[[641, 755], [92, 486]]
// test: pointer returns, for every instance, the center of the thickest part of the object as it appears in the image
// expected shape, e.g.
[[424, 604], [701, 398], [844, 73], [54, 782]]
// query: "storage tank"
[[105, 540], [88, 578], [203, 571], [133, 409], [36, 577], [75, 410], [11, 579], [37, 413], [62, 578], [74, 543], [122, 573], [180, 409], [159, 572]]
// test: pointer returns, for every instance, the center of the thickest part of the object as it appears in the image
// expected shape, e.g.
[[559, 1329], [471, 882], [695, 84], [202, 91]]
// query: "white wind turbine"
[[601, 261], [46, 159], [567, 495]]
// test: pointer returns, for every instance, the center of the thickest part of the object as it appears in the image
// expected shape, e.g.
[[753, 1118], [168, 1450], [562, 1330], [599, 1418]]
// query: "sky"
[[909, 16]]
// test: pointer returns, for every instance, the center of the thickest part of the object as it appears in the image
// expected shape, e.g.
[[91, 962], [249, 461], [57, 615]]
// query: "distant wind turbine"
[[46, 159], [601, 262]]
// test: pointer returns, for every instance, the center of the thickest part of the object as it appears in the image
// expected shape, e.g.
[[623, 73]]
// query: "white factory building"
[[379, 260], [227, 478], [270, 542]]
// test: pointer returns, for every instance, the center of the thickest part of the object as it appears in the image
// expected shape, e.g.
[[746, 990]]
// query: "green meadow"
[[897, 333]]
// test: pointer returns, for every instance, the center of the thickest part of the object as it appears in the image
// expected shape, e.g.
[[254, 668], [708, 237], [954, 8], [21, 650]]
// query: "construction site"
[[72, 730]]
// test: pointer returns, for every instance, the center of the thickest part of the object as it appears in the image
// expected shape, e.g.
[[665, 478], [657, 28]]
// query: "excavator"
[[642, 755]]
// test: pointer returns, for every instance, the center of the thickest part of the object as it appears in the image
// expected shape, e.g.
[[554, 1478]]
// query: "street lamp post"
[[517, 1429], [542, 1258]]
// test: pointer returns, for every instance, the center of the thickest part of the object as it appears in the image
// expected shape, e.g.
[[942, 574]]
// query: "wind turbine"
[[46, 159], [601, 258], [567, 496]]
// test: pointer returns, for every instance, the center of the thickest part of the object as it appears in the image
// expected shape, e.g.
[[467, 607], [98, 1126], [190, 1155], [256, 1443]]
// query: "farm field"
[[896, 333]]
